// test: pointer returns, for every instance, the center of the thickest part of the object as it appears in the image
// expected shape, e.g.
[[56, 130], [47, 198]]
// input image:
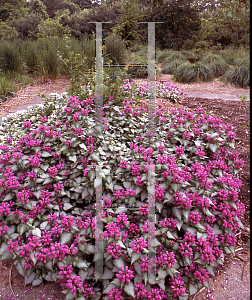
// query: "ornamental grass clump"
[[48, 209], [169, 68], [216, 63], [198, 71], [239, 76]]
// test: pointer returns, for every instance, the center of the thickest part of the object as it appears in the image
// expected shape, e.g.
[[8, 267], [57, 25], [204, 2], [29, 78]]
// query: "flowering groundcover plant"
[[48, 208]]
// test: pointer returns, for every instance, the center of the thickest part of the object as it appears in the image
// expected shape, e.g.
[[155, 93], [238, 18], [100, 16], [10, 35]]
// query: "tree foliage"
[[11, 8], [180, 22], [128, 25], [230, 24]]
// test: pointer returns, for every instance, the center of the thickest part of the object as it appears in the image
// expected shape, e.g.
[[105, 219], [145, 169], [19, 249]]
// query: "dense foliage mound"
[[239, 75], [216, 63], [48, 164], [187, 73], [169, 68]]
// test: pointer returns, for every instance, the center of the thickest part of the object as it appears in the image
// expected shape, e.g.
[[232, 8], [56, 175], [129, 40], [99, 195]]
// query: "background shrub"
[[230, 54], [7, 89], [88, 48], [10, 56], [114, 50], [169, 68], [193, 55], [216, 63], [187, 73], [172, 56], [239, 75]]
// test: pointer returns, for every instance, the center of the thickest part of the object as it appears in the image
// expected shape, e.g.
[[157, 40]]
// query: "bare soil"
[[232, 112]]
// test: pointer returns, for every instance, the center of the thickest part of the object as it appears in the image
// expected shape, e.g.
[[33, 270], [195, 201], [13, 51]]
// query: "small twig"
[[246, 262], [11, 285], [198, 292]]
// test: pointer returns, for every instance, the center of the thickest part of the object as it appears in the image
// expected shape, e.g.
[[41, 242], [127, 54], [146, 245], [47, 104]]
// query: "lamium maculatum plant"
[[48, 161]]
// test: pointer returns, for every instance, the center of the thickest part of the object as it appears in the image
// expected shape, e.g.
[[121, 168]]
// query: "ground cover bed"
[[236, 113]]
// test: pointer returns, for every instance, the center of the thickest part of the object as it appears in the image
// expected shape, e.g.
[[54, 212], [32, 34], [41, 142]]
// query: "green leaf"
[[129, 289]]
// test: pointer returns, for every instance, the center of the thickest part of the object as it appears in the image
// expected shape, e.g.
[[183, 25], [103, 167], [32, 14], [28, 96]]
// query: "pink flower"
[[125, 275]]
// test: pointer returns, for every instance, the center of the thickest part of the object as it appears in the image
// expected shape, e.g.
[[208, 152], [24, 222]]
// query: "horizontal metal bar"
[[125, 65]]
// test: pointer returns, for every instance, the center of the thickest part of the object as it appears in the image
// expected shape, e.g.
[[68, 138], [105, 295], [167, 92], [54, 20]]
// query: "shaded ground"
[[233, 283]]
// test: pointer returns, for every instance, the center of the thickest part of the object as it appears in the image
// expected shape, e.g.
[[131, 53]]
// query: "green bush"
[[173, 56], [239, 75], [114, 50], [88, 48], [162, 55], [202, 45], [169, 68], [7, 89], [187, 73], [193, 55], [230, 54], [216, 63], [10, 57], [49, 60], [32, 57]]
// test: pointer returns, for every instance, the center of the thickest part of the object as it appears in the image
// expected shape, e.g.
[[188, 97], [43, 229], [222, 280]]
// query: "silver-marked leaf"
[[36, 232], [192, 289], [109, 288], [210, 270], [121, 210], [6, 256], [43, 225], [21, 228], [67, 206], [20, 268], [213, 147], [45, 154], [65, 238], [108, 274], [129, 289], [29, 279], [129, 250], [177, 212], [116, 282], [119, 262], [135, 256], [81, 264], [3, 248], [69, 296], [137, 268]]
